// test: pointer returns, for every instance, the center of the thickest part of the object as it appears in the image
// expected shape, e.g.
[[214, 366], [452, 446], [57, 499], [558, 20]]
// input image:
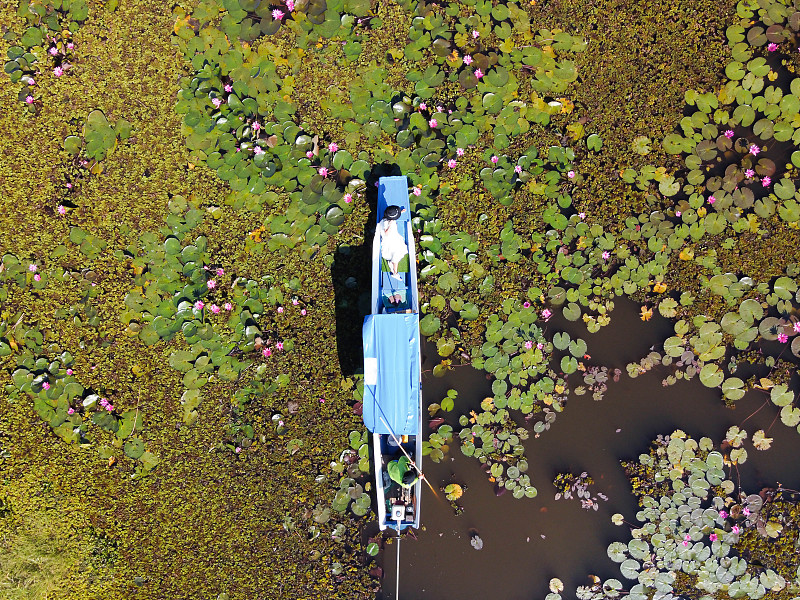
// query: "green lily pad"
[[134, 448], [711, 375]]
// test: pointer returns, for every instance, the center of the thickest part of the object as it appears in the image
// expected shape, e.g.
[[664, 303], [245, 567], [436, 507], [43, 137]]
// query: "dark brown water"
[[529, 541]]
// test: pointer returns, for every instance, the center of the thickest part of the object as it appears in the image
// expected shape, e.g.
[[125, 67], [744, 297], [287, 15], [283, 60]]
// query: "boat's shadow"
[[351, 273]]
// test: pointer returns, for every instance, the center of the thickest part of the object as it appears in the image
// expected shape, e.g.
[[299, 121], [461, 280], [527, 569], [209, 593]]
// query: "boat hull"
[[397, 430]]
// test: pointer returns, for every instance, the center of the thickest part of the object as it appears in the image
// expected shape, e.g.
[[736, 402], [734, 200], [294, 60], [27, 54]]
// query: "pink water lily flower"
[[478, 73], [303, 312], [290, 5], [546, 314], [29, 99], [279, 345], [216, 102], [228, 306], [228, 87], [69, 371], [53, 51], [475, 33], [452, 163], [735, 529], [606, 254], [58, 71], [729, 133], [280, 309], [467, 59], [460, 151], [571, 174], [711, 199], [295, 301], [46, 386], [348, 198], [323, 171], [526, 304], [215, 309], [199, 305], [754, 150], [32, 268], [433, 123], [518, 169], [783, 338], [333, 147], [211, 284], [713, 537], [528, 344], [416, 191], [267, 352], [70, 46], [422, 106], [723, 514], [220, 272], [62, 210], [796, 326], [495, 158], [71, 411], [37, 277], [772, 47], [277, 14], [766, 181], [258, 150]]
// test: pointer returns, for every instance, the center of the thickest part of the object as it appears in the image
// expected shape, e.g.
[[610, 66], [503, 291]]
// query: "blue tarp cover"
[[391, 373], [393, 191]]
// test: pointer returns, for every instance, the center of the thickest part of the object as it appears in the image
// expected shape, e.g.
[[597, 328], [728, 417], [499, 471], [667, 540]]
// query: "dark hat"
[[409, 477], [392, 212]]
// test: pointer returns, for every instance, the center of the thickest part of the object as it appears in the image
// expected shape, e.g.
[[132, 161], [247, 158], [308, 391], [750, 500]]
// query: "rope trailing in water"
[[397, 571]]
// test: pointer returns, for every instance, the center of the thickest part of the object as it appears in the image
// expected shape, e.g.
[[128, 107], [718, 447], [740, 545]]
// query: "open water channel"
[[529, 541]]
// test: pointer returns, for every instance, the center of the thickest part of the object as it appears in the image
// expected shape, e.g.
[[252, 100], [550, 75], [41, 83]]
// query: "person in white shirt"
[[393, 245]]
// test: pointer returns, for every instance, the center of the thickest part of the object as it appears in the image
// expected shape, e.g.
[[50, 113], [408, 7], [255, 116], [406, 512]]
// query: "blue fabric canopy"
[[391, 373], [393, 191]]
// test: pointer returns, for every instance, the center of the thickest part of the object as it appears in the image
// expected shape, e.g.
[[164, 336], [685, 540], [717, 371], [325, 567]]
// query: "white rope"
[[397, 570]]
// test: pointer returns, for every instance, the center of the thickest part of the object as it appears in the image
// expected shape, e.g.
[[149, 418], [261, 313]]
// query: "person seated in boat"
[[401, 472], [393, 244]]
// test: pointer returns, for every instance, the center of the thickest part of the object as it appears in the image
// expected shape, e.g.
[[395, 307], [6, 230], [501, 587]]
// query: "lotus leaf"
[[429, 325], [577, 348], [733, 388], [780, 395], [561, 340], [711, 375], [639, 549], [751, 310], [617, 551], [630, 569], [134, 448], [569, 364], [790, 416], [784, 288]]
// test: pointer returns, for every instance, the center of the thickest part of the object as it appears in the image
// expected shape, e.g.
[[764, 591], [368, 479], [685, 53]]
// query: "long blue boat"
[[392, 366]]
